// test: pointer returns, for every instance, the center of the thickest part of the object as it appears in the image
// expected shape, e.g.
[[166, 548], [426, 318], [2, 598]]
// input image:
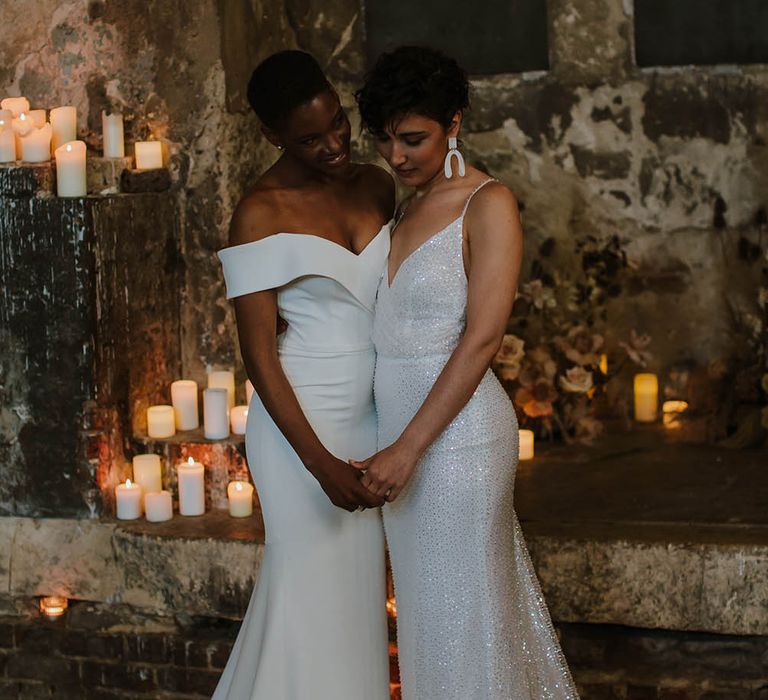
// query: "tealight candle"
[[128, 497], [36, 145], [64, 125], [226, 380], [15, 105], [184, 400], [239, 419], [112, 135], [158, 506], [526, 444], [38, 117], [7, 138], [70, 169], [147, 472], [161, 422], [248, 391], [215, 413], [53, 605], [670, 413], [149, 155], [240, 497], [646, 397], [191, 487]]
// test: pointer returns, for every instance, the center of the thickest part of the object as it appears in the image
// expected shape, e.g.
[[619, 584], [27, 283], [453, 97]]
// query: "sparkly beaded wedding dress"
[[472, 623], [315, 627]]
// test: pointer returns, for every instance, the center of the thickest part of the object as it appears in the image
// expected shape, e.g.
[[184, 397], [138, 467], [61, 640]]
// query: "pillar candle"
[[670, 413], [526, 444], [16, 105], [184, 400], [38, 117], [128, 497], [158, 506], [147, 472], [112, 135], [240, 497], [248, 391], [646, 397], [226, 380], [149, 155], [191, 488], [22, 125], [70, 169], [215, 413], [36, 145], [161, 422], [239, 419], [7, 138], [64, 125]]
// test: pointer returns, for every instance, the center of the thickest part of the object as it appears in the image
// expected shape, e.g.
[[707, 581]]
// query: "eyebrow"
[[317, 133], [412, 133]]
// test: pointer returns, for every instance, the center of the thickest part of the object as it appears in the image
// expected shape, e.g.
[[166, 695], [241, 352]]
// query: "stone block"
[[27, 179], [136, 181], [103, 174]]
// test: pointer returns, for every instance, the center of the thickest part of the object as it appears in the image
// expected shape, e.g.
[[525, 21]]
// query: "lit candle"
[[240, 497], [671, 411], [184, 400], [53, 605], [248, 391], [70, 169], [604, 363], [161, 422], [526, 444], [215, 413], [147, 472], [239, 419], [158, 506], [7, 137], [112, 135], [16, 105], [128, 496], [36, 145], [149, 155], [646, 397], [191, 488], [64, 125], [22, 125], [38, 117], [225, 380]]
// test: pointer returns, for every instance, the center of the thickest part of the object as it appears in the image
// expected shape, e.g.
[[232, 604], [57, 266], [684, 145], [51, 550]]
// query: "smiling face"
[[415, 147], [316, 134]]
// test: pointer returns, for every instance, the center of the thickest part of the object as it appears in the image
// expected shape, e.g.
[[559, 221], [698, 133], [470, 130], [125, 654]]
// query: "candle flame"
[[53, 606], [190, 460], [23, 116], [69, 147], [128, 483], [238, 485]]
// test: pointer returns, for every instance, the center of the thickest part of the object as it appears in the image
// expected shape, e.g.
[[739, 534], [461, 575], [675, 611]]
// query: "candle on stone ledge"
[[7, 137], [112, 135], [53, 606], [149, 155], [184, 400], [670, 413], [240, 497], [64, 125], [526, 444], [147, 472], [70, 169], [16, 105], [226, 380], [128, 497], [158, 506], [215, 413], [36, 145], [239, 419], [38, 117], [191, 479], [161, 421], [646, 390]]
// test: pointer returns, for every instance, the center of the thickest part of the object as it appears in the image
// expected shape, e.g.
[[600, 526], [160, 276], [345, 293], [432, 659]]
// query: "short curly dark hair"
[[412, 80]]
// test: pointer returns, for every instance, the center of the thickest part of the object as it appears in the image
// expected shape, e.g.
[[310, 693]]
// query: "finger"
[[361, 465], [393, 493]]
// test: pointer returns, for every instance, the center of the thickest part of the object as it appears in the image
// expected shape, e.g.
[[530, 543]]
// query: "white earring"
[[453, 151]]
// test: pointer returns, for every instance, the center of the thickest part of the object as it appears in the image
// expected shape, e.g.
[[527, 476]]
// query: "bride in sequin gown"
[[472, 622]]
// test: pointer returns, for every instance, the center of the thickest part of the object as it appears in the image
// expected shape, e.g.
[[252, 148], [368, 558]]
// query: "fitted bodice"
[[325, 292]]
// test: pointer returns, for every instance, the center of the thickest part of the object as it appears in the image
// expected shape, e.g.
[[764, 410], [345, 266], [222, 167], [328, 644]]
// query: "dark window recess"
[[700, 32], [488, 37]]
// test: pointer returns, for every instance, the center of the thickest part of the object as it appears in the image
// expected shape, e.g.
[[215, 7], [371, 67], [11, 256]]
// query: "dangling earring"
[[453, 151]]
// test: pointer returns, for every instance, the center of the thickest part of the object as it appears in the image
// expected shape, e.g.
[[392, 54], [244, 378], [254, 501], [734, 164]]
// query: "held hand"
[[388, 471], [343, 485]]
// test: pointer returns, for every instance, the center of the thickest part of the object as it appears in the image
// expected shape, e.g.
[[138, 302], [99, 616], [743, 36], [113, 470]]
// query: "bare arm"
[[495, 255]]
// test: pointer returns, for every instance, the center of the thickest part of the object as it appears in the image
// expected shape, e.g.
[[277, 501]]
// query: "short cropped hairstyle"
[[282, 82], [412, 80]]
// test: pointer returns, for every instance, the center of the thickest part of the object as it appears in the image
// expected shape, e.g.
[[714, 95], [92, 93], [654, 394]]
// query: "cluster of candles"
[[145, 493], [220, 415], [26, 135]]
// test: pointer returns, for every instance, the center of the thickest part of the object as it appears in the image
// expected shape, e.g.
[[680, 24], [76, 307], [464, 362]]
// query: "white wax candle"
[[184, 400], [128, 497], [112, 135], [147, 472], [149, 155], [70, 169], [7, 140], [248, 391], [215, 413], [64, 125], [526, 444], [158, 506], [239, 419], [36, 145], [646, 397], [22, 125], [226, 380], [16, 105], [191, 488], [161, 422], [38, 117], [240, 497]]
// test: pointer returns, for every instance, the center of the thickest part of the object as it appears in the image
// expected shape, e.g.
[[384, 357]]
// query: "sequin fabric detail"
[[472, 622]]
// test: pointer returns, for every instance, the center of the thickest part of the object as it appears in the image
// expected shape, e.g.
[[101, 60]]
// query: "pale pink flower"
[[541, 297], [577, 380], [511, 350], [581, 346], [636, 348]]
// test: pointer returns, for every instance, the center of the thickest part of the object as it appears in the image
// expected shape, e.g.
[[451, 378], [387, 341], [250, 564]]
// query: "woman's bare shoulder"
[[254, 215]]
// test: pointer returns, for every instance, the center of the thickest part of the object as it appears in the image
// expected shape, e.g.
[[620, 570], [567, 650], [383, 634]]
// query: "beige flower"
[[543, 362], [581, 346], [507, 371], [636, 348], [587, 429], [511, 350], [576, 380], [536, 400], [541, 297]]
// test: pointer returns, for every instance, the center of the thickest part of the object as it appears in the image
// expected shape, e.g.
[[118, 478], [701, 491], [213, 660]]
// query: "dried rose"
[[577, 380], [636, 348], [511, 350]]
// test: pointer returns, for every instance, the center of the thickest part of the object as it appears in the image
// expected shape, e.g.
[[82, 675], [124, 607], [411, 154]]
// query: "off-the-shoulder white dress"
[[315, 627]]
